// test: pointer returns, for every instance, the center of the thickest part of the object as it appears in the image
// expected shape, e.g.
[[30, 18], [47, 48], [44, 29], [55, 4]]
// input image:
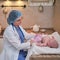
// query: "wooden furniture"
[[45, 57], [47, 30]]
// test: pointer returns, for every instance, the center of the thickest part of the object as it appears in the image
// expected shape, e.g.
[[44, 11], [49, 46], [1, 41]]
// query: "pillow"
[[57, 37]]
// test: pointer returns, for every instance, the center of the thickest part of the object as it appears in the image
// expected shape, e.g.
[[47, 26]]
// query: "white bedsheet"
[[35, 50], [44, 50]]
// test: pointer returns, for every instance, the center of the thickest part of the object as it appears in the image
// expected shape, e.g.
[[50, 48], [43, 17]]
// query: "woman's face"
[[18, 22]]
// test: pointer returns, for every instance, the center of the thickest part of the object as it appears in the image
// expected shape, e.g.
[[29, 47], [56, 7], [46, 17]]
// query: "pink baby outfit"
[[38, 37]]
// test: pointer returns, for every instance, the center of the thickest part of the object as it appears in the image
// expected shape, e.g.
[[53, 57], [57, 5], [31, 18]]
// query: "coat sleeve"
[[27, 35], [14, 40]]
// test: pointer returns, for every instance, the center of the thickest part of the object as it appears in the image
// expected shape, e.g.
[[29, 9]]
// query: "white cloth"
[[35, 50], [44, 50], [12, 44]]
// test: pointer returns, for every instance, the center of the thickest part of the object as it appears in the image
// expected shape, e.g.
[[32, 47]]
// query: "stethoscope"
[[16, 30]]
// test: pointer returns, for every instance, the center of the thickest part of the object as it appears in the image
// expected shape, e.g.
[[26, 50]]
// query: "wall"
[[31, 16], [56, 19]]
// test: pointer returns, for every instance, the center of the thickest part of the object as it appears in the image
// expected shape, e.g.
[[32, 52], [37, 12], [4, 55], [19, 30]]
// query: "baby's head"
[[51, 42]]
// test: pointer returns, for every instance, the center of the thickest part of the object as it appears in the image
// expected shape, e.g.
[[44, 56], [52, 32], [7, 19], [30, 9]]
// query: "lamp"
[[24, 6], [13, 4], [40, 8], [5, 11]]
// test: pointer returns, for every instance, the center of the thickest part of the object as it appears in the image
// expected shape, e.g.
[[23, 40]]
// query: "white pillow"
[[57, 37]]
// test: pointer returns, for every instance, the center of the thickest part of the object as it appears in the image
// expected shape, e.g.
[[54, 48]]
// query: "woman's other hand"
[[31, 42]]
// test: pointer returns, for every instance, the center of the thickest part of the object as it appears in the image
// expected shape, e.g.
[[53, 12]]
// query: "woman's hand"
[[31, 42]]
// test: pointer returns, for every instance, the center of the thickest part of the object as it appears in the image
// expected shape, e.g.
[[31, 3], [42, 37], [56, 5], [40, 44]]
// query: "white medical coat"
[[12, 44]]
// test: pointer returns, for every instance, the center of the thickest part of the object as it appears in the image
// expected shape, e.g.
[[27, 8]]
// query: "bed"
[[44, 53]]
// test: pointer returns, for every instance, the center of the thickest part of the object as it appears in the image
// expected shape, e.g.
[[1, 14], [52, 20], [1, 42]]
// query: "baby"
[[45, 40]]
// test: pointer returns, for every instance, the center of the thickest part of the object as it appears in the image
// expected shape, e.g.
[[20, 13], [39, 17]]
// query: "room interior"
[[42, 13]]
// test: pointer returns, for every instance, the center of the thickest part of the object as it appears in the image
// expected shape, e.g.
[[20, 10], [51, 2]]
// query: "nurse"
[[14, 36]]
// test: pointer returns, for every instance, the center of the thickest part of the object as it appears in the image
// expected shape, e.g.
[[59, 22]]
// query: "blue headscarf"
[[13, 16]]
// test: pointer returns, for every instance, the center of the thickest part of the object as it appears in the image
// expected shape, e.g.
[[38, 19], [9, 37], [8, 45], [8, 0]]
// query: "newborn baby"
[[45, 40]]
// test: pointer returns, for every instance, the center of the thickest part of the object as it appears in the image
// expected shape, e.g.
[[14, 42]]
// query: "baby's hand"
[[38, 44], [32, 41]]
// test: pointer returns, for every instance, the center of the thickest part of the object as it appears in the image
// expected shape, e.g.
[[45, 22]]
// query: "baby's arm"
[[41, 44]]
